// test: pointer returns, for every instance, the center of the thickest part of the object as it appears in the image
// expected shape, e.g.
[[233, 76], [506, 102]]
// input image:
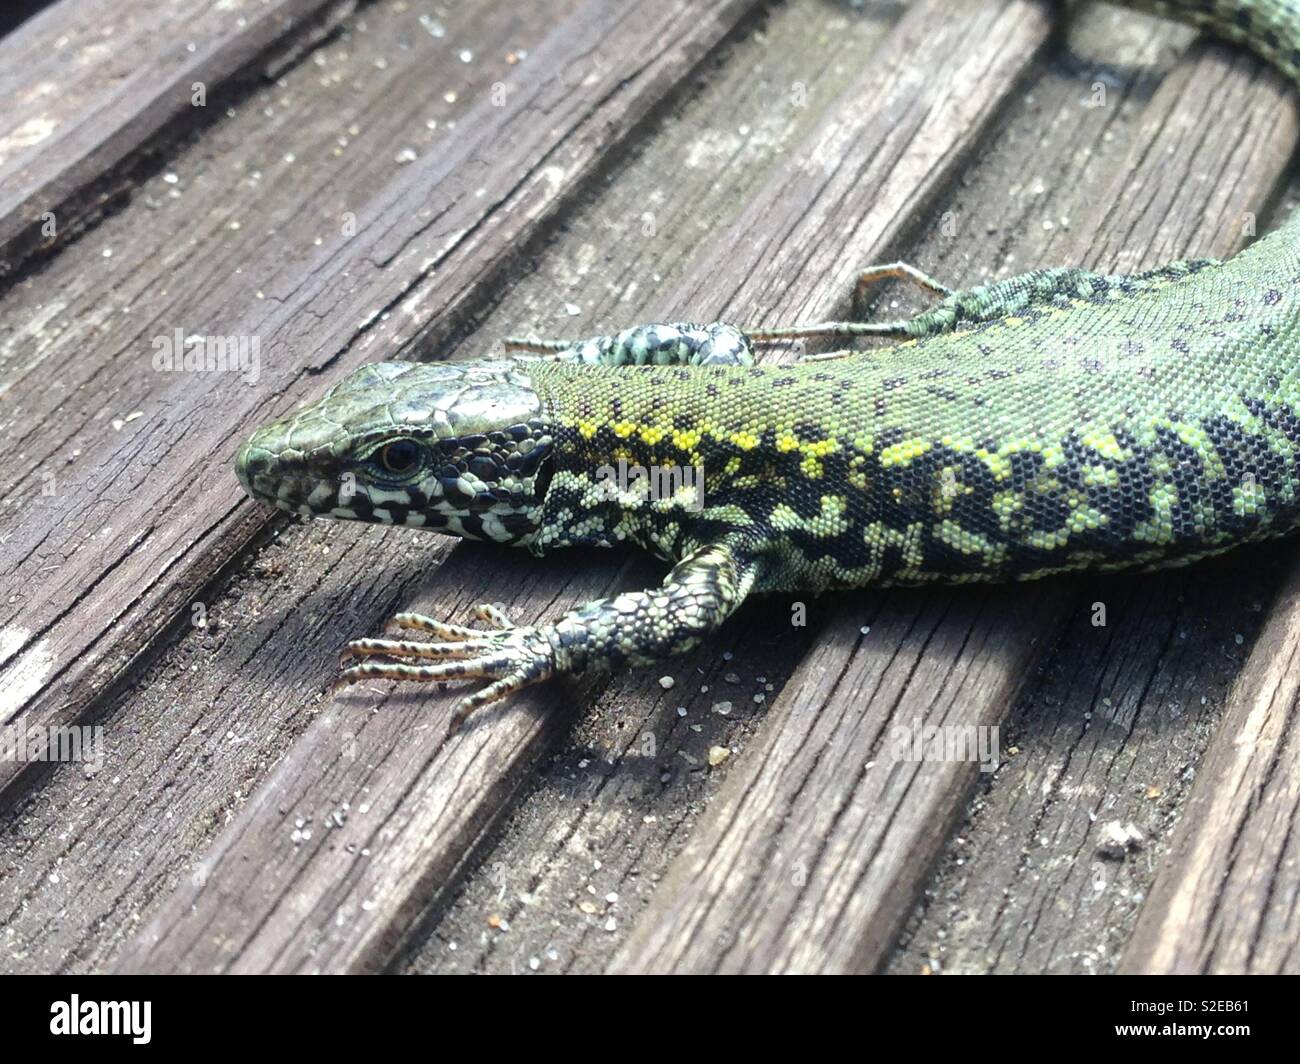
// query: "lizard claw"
[[512, 658], [493, 615]]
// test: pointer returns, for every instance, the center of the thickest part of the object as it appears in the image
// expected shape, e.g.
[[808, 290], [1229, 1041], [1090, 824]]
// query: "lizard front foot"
[[512, 658], [637, 626]]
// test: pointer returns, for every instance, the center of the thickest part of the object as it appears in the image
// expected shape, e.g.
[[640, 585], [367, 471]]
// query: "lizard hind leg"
[[867, 279], [1024, 293], [873, 275]]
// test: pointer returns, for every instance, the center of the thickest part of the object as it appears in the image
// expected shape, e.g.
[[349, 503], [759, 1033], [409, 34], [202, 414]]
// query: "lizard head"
[[462, 448]]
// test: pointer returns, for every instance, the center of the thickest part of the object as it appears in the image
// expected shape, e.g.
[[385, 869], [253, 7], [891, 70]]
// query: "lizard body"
[[1054, 421]]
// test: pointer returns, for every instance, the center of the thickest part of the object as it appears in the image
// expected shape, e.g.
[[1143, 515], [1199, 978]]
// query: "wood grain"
[[192, 734], [1224, 900], [88, 86], [680, 159], [199, 729]]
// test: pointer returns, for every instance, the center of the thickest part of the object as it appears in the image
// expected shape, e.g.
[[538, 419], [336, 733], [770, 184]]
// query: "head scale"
[[461, 448]]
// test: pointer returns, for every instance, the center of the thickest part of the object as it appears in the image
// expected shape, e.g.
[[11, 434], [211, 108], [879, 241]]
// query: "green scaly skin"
[[1055, 421]]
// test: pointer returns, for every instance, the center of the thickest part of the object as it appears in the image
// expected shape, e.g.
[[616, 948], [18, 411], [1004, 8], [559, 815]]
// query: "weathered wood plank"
[[88, 85], [185, 750], [1240, 920], [577, 858], [431, 800], [810, 856], [287, 653], [1108, 735], [368, 815], [1225, 898], [426, 248], [1112, 731], [610, 809]]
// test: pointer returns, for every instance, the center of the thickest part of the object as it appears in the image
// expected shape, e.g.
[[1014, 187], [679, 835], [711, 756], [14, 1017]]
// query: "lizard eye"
[[399, 457]]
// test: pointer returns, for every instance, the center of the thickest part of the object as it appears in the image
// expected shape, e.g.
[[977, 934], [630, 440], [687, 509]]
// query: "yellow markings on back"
[[813, 453], [903, 452], [1196, 438], [998, 464], [1105, 444], [687, 439], [1100, 476], [1052, 456]]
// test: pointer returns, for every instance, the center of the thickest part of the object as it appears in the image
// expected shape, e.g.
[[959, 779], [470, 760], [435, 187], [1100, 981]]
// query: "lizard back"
[[1121, 423]]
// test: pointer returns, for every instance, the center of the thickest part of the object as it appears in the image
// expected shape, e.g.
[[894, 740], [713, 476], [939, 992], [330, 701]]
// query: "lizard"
[[1056, 420]]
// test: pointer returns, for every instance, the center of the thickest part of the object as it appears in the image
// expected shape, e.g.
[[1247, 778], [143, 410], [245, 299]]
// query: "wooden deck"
[[409, 178]]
